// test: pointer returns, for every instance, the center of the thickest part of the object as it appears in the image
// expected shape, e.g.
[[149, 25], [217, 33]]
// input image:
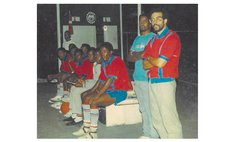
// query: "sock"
[[66, 93], [58, 85], [86, 114], [60, 90], [94, 113]]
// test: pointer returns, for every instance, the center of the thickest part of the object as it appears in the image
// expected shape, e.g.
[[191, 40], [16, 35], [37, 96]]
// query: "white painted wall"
[[82, 34], [110, 35]]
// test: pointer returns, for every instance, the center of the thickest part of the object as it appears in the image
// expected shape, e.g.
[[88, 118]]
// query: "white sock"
[[86, 114], [66, 93], [94, 113], [60, 90]]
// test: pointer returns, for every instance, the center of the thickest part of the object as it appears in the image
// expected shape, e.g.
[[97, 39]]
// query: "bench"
[[126, 112]]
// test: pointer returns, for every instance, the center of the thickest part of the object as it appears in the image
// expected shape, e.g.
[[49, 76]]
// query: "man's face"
[[91, 57], [84, 49], [157, 21], [98, 57], [78, 56], [72, 51], [144, 24], [67, 36], [105, 53], [61, 55]]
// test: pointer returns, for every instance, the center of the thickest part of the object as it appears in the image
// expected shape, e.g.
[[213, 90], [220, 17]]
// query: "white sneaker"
[[56, 99], [144, 137], [56, 105], [65, 98], [81, 133], [91, 135], [68, 114], [78, 119], [54, 81]]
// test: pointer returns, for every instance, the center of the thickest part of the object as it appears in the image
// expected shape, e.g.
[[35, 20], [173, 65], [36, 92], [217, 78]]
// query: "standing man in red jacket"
[[161, 59]]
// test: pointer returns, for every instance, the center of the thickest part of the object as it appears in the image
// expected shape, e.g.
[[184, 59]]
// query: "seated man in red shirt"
[[111, 88], [72, 49], [75, 92], [85, 48], [65, 71], [82, 70]]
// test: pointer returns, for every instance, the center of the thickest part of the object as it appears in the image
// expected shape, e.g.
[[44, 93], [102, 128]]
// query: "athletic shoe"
[[68, 114], [144, 137], [56, 105], [56, 99], [78, 119], [68, 119], [73, 123], [50, 101], [53, 81], [91, 135], [81, 133], [65, 98]]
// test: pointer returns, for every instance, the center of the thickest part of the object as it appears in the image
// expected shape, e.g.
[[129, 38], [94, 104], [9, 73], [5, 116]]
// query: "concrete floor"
[[50, 124]]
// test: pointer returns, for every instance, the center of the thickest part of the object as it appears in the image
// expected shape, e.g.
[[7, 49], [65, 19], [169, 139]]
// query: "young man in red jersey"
[[111, 88], [75, 93], [65, 71]]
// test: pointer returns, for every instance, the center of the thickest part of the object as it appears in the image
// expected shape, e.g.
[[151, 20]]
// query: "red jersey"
[[166, 46], [83, 68], [87, 69], [66, 63], [115, 68]]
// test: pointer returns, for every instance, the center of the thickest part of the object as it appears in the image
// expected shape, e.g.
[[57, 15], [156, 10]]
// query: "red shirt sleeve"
[[64, 66], [147, 50], [116, 66], [87, 69]]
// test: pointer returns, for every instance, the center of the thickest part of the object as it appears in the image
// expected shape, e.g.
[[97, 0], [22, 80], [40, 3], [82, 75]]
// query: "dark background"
[[183, 18]]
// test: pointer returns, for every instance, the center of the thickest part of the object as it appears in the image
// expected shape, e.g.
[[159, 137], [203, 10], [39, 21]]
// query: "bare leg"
[[104, 100]]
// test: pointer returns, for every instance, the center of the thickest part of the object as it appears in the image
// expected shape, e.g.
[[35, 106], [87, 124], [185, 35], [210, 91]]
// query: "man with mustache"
[[161, 59]]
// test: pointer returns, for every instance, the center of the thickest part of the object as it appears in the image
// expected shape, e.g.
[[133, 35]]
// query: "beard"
[[157, 28]]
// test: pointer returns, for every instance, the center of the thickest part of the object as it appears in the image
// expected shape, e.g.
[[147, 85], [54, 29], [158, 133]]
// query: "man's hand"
[[134, 56], [81, 81], [78, 84], [147, 65]]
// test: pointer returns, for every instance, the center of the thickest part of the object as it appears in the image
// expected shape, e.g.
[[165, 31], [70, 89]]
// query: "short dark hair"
[[61, 49], [71, 46], [78, 51], [143, 15], [92, 49], [85, 45], [107, 45], [160, 9]]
